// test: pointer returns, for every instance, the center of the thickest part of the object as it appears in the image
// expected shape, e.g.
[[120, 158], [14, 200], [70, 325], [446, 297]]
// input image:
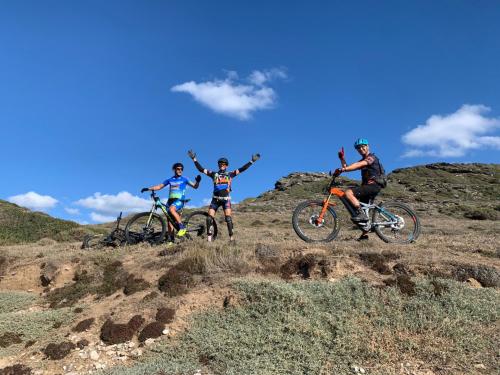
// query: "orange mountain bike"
[[317, 221]]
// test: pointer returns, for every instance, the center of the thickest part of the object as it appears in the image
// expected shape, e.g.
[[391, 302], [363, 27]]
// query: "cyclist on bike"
[[222, 188], [371, 171], [176, 198]]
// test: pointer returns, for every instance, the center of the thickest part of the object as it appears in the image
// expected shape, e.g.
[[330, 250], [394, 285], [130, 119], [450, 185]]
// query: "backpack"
[[382, 178]]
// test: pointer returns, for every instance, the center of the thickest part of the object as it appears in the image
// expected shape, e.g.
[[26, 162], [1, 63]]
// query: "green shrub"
[[319, 328], [15, 301], [31, 325]]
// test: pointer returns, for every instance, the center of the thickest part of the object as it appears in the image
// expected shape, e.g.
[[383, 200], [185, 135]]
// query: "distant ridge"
[[20, 225], [469, 191]]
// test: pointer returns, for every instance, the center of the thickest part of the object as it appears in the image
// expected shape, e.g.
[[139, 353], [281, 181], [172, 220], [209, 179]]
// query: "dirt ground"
[[266, 248]]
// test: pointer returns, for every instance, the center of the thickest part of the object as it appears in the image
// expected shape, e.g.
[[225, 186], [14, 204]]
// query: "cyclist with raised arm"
[[371, 172], [176, 197], [222, 180]]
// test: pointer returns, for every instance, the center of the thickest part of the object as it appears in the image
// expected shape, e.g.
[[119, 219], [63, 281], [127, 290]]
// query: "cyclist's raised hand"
[[144, 189], [255, 157], [341, 154], [192, 154], [197, 178]]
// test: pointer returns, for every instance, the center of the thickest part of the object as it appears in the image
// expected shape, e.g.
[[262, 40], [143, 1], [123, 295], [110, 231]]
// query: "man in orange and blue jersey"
[[222, 180]]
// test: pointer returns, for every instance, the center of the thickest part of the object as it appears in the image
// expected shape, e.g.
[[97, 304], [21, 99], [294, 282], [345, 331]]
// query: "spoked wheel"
[[396, 223], [143, 229], [197, 223], [92, 241], [307, 225]]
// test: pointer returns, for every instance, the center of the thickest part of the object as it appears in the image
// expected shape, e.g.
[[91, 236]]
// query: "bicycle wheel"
[[92, 241], [141, 229], [306, 225], [197, 223], [395, 222]]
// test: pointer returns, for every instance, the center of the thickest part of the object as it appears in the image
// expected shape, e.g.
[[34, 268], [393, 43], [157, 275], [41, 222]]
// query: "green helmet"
[[360, 142]]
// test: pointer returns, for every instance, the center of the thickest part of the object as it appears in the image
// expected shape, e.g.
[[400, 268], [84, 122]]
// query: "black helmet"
[[177, 165], [223, 161]]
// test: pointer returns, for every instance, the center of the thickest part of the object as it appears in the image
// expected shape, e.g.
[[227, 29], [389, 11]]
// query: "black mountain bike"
[[151, 226], [114, 239]]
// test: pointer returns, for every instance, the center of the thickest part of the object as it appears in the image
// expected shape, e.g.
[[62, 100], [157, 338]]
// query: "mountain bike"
[[151, 226], [317, 221], [114, 239]]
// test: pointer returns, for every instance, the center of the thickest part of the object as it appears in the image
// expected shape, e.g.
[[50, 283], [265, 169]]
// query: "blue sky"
[[104, 96]]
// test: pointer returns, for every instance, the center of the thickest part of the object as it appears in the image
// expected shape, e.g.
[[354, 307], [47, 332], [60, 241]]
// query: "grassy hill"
[[20, 225], [459, 190], [271, 303]]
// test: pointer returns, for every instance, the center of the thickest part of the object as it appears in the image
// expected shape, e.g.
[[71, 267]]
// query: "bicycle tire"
[[136, 232], [304, 224], [91, 241], [196, 225], [395, 234]]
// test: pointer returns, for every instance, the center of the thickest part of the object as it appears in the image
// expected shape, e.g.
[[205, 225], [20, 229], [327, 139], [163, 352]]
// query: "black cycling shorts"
[[366, 192], [216, 203]]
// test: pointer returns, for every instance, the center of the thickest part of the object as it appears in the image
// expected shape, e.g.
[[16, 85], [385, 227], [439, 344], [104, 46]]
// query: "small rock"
[[166, 331], [136, 352], [473, 283], [149, 342], [131, 344], [83, 355], [480, 366], [99, 366], [94, 355]]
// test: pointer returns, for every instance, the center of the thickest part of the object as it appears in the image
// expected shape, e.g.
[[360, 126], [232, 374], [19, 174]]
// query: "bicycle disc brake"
[[314, 221], [400, 224]]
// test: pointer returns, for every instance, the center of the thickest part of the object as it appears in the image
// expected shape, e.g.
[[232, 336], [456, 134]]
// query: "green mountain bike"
[[151, 227]]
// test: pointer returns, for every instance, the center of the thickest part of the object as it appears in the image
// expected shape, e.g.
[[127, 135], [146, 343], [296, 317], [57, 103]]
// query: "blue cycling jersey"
[[177, 187]]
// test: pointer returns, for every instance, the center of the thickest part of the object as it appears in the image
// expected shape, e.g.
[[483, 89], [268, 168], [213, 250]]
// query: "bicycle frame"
[[333, 191], [157, 203]]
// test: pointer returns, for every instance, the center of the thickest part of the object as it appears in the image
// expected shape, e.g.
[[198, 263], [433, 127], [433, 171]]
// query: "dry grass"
[[265, 242]]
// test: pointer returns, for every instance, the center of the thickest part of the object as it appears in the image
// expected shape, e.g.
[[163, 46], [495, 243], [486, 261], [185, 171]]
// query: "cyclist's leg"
[[212, 209], [229, 219], [174, 209]]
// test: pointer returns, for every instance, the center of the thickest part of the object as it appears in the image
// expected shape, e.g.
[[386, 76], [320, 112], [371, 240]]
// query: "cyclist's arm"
[[242, 169], [343, 163], [201, 169], [195, 184], [355, 166], [157, 187]]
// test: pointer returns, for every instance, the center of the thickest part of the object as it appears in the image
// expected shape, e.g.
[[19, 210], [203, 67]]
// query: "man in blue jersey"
[[176, 196], [222, 188]]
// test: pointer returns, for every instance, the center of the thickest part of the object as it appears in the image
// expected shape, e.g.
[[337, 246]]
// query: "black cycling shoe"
[[363, 237], [360, 216]]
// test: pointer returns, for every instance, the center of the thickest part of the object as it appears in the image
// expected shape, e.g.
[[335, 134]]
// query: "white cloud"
[[454, 134], [34, 201], [72, 211], [98, 218], [106, 206], [232, 98], [206, 201]]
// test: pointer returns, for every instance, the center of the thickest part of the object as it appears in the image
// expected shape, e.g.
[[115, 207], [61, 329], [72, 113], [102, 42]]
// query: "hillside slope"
[[20, 225], [458, 190]]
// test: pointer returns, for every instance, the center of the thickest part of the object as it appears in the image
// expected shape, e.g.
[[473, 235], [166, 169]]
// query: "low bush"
[[320, 327]]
